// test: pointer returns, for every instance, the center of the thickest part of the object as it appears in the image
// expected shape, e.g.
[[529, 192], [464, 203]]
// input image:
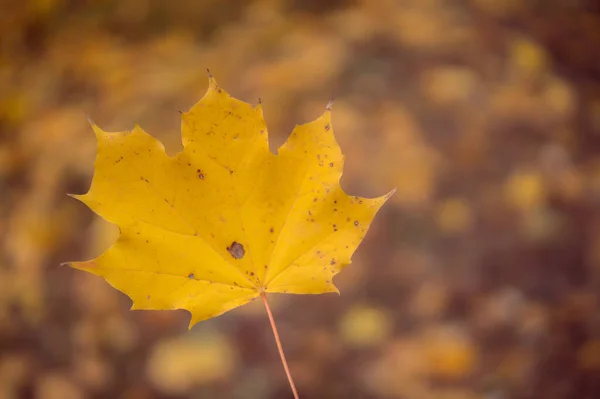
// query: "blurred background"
[[480, 279]]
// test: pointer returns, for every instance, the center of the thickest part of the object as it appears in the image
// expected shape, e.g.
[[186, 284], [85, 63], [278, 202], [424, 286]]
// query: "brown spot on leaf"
[[331, 164], [191, 276], [327, 127], [356, 222], [236, 250], [200, 174], [332, 262], [271, 230]]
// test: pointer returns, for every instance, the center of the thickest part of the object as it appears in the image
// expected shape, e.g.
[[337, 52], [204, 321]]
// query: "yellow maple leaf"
[[224, 220]]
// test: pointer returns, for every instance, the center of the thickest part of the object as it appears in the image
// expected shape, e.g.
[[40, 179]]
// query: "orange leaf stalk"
[[279, 347]]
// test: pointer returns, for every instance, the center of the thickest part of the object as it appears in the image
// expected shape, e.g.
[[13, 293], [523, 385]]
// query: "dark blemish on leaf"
[[356, 222], [271, 230], [346, 247], [191, 276], [327, 127], [219, 90], [314, 200], [252, 274], [118, 160], [334, 227], [309, 213], [266, 267], [148, 297], [230, 288], [312, 220], [137, 232], [236, 250], [347, 219], [319, 156], [332, 262], [331, 164], [285, 291], [360, 201], [335, 201], [200, 174], [262, 131], [335, 209], [147, 241], [189, 164]]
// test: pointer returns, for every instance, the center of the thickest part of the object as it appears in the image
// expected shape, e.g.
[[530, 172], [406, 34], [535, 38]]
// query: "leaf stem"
[[279, 347]]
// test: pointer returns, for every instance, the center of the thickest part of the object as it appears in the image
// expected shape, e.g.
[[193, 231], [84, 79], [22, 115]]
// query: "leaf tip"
[[88, 265], [392, 192], [212, 82], [78, 197], [97, 131], [329, 105]]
